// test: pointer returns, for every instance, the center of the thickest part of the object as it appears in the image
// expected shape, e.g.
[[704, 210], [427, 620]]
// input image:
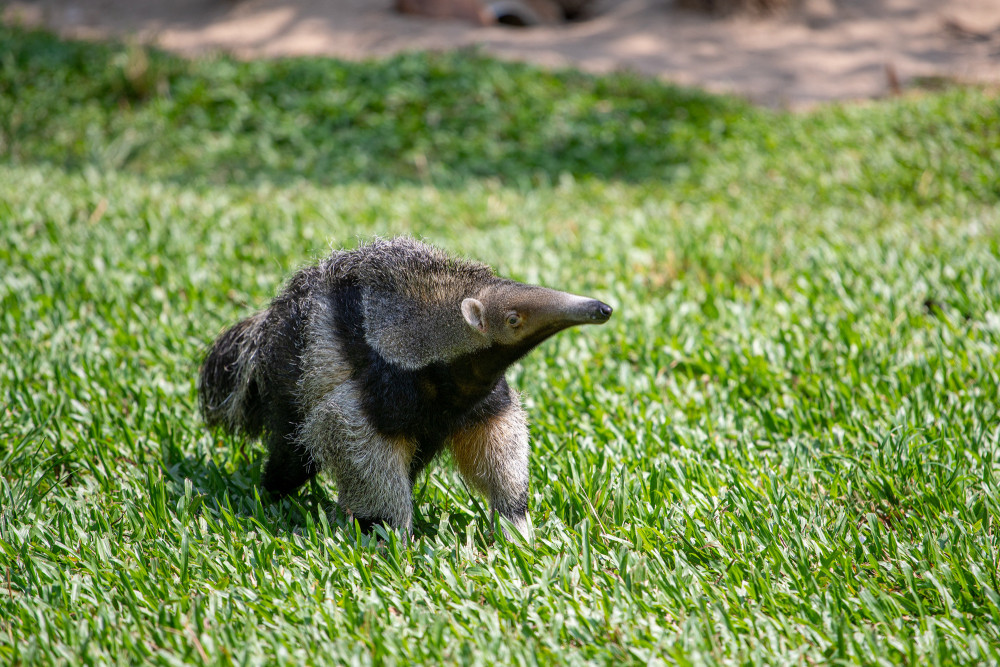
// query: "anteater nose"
[[603, 312]]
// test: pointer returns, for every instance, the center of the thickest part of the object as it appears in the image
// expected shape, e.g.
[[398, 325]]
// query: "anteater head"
[[518, 317]]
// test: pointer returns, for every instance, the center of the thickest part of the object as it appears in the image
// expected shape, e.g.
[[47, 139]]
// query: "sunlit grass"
[[782, 449]]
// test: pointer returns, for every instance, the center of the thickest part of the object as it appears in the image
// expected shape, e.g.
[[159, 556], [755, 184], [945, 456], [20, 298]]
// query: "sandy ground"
[[828, 50]]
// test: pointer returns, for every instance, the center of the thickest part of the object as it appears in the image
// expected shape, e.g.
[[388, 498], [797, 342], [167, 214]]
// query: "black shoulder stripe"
[[396, 401], [350, 323], [425, 404]]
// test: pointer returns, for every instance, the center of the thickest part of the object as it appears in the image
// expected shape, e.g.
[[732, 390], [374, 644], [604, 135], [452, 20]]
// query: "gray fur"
[[370, 362], [371, 469]]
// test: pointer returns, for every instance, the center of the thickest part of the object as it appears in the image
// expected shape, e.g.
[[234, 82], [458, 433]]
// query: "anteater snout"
[[566, 310], [601, 312]]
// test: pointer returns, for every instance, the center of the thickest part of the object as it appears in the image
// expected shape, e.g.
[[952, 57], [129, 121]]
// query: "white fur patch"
[[372, 471]]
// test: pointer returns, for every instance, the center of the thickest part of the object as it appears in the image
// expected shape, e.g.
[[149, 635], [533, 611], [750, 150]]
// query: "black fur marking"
[[288, 466], [392, 397], [254, 417], [367, 525], [427, 449], [425, 404], [516, 509], [496, 402], [396, 401]]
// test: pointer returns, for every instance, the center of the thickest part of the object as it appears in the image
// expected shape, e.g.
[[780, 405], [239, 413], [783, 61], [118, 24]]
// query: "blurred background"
[[780, 53]]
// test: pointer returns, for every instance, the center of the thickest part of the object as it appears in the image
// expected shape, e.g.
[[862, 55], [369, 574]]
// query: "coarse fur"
[[371, 362]]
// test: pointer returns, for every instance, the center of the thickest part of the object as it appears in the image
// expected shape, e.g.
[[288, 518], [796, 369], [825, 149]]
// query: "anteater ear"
[[474, 314]]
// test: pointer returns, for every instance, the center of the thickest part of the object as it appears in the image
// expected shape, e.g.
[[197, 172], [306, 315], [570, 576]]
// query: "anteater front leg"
[[492, 454], [372, 470]]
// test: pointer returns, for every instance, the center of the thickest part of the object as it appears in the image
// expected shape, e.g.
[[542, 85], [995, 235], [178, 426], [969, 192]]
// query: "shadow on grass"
[[239, 493], [236, 491], [443, 118]]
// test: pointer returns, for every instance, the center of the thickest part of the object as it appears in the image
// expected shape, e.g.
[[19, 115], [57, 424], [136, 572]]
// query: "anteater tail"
[[227, 389]]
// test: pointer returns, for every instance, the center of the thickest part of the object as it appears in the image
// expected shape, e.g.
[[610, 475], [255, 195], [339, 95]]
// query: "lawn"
[[784, 447]]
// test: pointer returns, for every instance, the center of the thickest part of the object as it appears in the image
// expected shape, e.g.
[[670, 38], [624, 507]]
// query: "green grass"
[[783, 448]]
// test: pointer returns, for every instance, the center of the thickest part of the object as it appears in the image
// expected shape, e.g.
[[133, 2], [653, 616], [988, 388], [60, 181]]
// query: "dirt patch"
[[826, 50]]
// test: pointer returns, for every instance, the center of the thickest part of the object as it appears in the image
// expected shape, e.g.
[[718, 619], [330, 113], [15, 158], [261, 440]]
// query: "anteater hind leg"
[[288, 466], [492, 455], [372, 470]]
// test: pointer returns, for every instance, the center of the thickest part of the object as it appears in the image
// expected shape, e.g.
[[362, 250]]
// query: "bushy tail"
[[227, 389]]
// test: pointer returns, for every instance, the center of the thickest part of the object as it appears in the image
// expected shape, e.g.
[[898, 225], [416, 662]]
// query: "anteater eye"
[[513, 320]]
